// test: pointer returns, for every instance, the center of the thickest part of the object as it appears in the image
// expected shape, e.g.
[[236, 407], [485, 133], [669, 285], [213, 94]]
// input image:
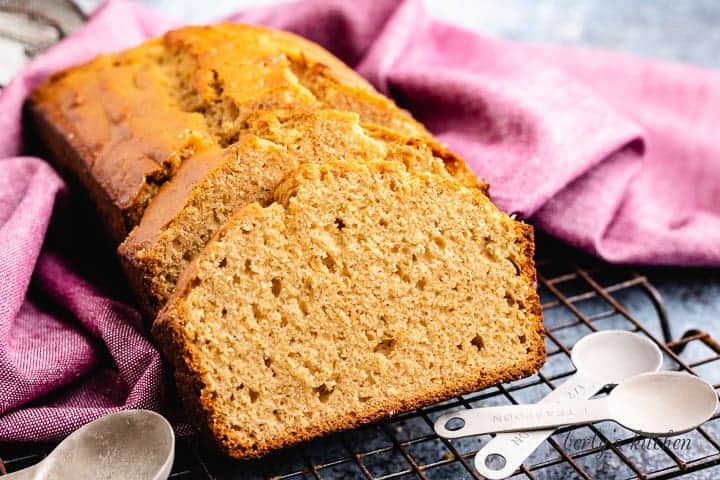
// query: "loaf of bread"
[[207, 188], [318, 260], [362, 290], [123, 124]]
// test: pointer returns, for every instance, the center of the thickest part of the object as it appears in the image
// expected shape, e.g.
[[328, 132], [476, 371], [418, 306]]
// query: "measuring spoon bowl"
[[665, 403], [601, 358], [630, 353], [127, 445], [612, 356]]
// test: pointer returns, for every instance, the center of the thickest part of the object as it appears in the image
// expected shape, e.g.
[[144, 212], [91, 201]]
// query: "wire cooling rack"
[[580, 295]]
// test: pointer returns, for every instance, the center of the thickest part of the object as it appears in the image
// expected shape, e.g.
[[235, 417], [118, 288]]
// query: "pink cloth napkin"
[[614, 154]]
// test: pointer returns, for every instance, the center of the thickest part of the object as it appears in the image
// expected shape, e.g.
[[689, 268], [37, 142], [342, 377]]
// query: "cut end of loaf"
[[362, 291], [208, 188]]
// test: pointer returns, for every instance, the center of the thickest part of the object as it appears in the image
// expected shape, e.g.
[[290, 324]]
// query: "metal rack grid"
[[579, 295]]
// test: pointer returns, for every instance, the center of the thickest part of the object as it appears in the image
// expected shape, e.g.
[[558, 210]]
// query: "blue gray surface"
[[684, 31]]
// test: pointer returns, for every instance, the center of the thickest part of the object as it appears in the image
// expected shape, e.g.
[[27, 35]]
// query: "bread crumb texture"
[[209, 187], [359, 290]]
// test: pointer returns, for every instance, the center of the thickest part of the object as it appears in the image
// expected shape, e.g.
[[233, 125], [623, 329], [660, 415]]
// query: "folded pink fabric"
[[614, 154]]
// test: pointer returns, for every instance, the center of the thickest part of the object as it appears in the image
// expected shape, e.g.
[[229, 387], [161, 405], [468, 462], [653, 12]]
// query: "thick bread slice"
[[209, 187], [123, 124], [364, 290]]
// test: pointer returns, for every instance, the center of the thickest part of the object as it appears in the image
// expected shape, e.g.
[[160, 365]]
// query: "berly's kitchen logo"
[[576, 443]]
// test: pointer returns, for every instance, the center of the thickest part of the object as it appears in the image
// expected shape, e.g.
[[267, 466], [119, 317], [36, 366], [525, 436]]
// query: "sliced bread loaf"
[[122, 124], [361, 291], [208, 188]]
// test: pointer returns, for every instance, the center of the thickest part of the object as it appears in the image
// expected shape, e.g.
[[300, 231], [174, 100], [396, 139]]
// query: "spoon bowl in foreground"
[[127, 445]]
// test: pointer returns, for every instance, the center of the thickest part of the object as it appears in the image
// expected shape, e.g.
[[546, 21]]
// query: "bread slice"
[[363, 290], [122, 124], [208, 188]]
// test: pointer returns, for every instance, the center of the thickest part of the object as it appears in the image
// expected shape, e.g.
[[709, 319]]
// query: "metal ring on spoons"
[[127, 445], [601, 358], [650, 404]]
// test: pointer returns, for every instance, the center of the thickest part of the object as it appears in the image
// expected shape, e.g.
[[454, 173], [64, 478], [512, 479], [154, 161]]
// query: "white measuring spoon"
[[650, 404], [601, 358], [127, 445]]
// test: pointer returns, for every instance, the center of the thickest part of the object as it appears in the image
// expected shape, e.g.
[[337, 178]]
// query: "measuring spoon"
[[601, 358], [127, 445], [650, 404]]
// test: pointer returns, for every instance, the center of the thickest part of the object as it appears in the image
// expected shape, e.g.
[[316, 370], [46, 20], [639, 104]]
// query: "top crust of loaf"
[[122, 124], [319, 206]]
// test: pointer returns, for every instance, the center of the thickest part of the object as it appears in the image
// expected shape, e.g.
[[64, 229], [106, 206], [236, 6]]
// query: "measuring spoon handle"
[[514, 418], [516, 447]]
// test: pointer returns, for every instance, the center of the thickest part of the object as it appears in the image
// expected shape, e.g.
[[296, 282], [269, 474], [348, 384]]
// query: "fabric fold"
[[79, 355]]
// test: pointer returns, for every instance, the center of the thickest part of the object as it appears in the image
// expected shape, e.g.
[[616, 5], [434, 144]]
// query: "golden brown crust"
[[168, 329], [456, 166], [124, 123], [372, 108], [69, 158], [120, 125], [228, 39]]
